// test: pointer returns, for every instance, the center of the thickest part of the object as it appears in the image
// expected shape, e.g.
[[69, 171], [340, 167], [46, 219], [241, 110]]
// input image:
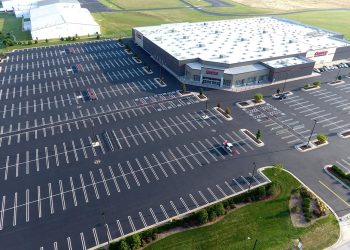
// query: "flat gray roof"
[[239, 40]]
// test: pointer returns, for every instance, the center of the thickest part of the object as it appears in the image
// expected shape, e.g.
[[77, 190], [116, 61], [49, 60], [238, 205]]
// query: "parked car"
[[92, 94], [228, 146]]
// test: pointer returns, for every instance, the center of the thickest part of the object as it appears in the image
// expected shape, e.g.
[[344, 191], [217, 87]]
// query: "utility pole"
[[250, 182], [312, 131], [285, 81]]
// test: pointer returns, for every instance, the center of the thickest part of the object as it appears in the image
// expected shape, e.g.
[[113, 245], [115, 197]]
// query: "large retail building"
[[240, 52]]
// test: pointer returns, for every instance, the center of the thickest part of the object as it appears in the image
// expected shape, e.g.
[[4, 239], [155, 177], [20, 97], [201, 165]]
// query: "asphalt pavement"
[[84, 168]]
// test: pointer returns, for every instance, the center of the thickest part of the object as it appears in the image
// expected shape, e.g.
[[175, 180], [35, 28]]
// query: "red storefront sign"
[[211, 72], [320, 53]]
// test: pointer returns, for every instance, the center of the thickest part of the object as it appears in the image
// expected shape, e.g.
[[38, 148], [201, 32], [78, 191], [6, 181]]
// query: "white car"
[[95, 144], [205, 117], [228, 146]]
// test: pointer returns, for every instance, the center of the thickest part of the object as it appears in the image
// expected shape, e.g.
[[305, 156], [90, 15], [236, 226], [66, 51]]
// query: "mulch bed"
[[248, 133], [243, 103], [202, 97], [304, 147], [346, 133], [223, 112], [310, 87], [318, 143]]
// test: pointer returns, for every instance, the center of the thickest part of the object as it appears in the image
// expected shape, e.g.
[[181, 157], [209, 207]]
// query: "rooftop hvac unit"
[[221, 56]]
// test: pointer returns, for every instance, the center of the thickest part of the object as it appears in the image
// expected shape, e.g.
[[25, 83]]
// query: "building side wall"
[[160, 55], [279, 74], [342, 53]]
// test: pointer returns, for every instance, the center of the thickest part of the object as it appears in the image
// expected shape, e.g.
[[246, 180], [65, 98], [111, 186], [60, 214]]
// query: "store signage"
[[211, 72], [321, 53]]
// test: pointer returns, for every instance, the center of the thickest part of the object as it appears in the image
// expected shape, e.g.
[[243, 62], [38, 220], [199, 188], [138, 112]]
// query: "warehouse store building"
[[230, 54]]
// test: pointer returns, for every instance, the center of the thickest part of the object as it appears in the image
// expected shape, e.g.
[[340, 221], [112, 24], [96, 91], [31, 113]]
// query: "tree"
[[124, 245], [258, 135], [46, 40], [134, 241], [258, 97], [30, 42], [98, 36], [62, 39], [36, 41], [316, 83], [228, 111], [340, 78], [201, 92], [322, 138], [202, 216], [183, 88], [279, 168]]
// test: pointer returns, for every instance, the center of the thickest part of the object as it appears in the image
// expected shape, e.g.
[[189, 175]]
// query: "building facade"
[[233, 53]]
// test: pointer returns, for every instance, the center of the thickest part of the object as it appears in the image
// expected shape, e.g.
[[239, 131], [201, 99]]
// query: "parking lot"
[[92, 148], [85, 131]]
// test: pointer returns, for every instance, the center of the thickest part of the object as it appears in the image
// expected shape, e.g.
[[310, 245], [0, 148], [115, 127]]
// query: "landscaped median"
[[236, 223], [337, 173], [258, 100], [313, 86], [256, 139], [160, 82], [344, 134], [320, 141], [226, 114], [337, 82]]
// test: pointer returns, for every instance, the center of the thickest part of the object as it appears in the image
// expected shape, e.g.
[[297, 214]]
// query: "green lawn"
[[10, 24], [332, 20], [120, 23], [142, 4], [268, 222]]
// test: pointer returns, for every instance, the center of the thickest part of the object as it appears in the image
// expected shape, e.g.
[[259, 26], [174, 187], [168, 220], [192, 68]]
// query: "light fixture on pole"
[[312, 131]]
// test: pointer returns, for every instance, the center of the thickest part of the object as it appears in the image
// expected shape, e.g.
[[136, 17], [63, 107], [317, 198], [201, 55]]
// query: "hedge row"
[[341, 174], [306, 203], [201, 217]]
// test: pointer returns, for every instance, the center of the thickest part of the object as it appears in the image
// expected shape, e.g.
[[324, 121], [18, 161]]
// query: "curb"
[[186, 213]]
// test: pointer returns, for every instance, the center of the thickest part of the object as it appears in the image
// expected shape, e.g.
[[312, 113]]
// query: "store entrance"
[[211, 81]]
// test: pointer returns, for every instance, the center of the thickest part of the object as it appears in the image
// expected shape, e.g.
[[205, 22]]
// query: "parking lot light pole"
[[250, 182], [105, 225], [285, 81], [312, 131], [206, 104], [338, 74]]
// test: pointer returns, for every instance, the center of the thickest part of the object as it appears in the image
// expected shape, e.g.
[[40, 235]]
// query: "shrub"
[[218, 105], [340, 78], [134, 241], [30, 42], [184, 88], [228, 111], [46, 40], [74, 38], [211, 214], [202, 216], [201, 92], [306, 86], [272, 189], [62, 39], [98, 36], [305, 193], [316, 83], [123, 245], [219, 209], [322, 138], [36, 41], [258, 135], [258, 97]]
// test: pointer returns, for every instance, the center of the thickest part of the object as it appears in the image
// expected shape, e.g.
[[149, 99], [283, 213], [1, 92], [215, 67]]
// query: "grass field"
[[338, 21], [10, 24], [267, 221], [294, 4], [142, 4], [120, 23]]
